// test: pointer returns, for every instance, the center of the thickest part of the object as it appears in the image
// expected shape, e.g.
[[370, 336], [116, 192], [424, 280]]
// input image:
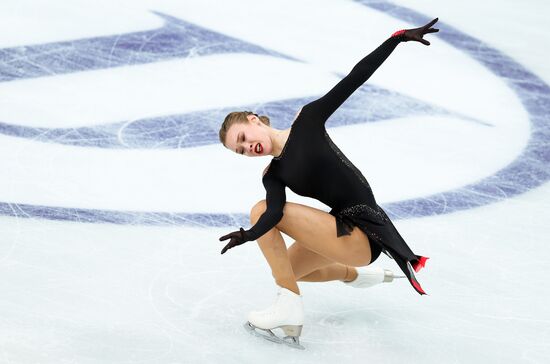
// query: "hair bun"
[[264, 120]]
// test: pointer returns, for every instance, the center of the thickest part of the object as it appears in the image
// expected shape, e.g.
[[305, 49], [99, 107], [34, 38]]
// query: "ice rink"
[[115, 188]]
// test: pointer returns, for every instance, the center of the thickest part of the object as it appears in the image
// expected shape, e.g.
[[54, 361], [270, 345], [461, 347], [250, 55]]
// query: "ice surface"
[[115, 189]]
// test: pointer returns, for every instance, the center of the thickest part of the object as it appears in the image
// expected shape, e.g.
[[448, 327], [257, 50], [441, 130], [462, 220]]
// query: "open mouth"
[[259, 148]]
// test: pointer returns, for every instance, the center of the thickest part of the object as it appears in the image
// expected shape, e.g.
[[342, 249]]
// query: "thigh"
[[316, 230]]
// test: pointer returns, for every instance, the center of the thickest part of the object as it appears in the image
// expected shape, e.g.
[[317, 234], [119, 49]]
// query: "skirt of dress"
[[376, 224]]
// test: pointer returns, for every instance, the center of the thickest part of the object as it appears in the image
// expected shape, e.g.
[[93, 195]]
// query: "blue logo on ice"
[[177, 38]]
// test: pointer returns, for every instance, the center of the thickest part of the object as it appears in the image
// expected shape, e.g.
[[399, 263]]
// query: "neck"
[[278, 140]]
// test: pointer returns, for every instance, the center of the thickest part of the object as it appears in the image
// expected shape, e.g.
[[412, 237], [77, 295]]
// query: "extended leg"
[[309, 266], [333, 272]]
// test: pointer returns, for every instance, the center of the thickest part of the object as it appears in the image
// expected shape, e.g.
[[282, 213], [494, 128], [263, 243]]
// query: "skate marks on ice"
[[182, 303], [194, 305]]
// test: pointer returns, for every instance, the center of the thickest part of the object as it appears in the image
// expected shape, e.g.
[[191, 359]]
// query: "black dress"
[[311, 165]]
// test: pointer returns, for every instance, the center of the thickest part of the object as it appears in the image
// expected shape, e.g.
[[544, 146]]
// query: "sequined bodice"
[[312, 165]]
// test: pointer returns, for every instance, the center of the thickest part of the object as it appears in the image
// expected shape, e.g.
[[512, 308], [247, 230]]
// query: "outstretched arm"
[[325, 106], [275, 200]]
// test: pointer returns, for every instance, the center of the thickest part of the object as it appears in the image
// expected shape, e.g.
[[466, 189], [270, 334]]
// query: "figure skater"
[[328, 246]]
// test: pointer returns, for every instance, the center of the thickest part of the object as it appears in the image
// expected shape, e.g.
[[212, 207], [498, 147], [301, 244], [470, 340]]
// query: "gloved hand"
[[416, 34], [237, 238]]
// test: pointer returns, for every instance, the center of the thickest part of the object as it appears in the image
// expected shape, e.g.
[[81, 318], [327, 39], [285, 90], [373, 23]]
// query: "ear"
[[255, 119]]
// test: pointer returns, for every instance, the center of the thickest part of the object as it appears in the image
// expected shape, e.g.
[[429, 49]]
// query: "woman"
[[328, 246]]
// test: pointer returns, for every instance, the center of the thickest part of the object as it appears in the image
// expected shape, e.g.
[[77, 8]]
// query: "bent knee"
[[257, 210]]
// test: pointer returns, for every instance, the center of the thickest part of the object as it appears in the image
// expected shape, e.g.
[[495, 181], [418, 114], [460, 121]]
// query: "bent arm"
[[325, 106], [275, 199]]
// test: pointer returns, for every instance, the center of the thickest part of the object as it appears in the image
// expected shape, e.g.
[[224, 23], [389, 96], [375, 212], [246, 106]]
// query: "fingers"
[[431, 23], [232, 243], [421, 40], [225, 237], [225, 248], [428, 29], [237, 238]]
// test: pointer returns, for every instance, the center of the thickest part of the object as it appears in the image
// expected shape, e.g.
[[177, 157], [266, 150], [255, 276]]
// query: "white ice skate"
[[287, 313], [370, 276]]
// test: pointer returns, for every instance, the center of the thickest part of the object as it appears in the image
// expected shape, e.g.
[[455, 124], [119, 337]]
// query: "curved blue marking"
[[529, 170], [201, 128], [121, 217], [176, 39]]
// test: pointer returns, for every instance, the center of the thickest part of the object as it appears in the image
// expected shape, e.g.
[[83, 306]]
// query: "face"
[[250, 139]]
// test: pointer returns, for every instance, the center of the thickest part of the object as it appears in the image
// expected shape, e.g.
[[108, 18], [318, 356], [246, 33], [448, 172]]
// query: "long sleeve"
[[323, 107], [275, 199]]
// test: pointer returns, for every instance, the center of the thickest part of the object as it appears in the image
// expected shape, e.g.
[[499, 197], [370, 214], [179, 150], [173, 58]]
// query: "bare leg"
[[274, 250], [309, 266], [319, 246], [333, 272]]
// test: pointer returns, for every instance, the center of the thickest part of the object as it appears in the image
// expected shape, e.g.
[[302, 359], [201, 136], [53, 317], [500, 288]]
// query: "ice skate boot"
[[370, 276], [287, 313]]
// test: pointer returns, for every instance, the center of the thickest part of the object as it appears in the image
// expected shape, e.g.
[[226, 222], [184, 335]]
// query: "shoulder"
[[298, 113], [265, 170], [308, 119]]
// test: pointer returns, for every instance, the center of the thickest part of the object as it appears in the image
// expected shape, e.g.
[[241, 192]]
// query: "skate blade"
[[291, 341], [389, 276]]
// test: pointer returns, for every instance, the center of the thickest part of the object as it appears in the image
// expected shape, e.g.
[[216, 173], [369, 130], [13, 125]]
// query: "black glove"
[[237, 238], [416, 34]]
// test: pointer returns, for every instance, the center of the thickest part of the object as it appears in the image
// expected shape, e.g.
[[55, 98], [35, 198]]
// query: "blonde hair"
[[238, 117]]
